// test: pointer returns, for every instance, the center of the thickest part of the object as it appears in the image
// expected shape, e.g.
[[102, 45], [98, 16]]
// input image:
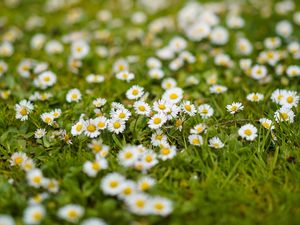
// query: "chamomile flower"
[[167, 152], [157, 121], [168, 83], [290, 99], [35, 178], [173, 95], [255, 97], [215, 142], [156, 73], [122, 114], [28, 164], [111, 184], [125, 75], [135, 92], [79, 49], [158, 138], [148, 159], [99, 102], [18, 158], [73, 95], [91, 128], [188, 108], [128, 188], [128, 155], [23, 109], [99, 148], [217, 89], [45, 80], [48, 118], [120, 65], [145, 183], [56, 113], [51, 185], [142, 108], [71, 213], [284, 114], [6, 220], [205, 111], [266, 123], [277, 95], [160, 206], [234, 107], [101, 122], [198, 128], [93, 221], [116, 125], [34, 214], [258, 72], [138, 203], [78, 128], [91, 168], [248, 132], [195, 139]]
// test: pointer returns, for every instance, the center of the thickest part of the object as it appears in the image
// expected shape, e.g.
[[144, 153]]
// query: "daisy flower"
[[266, 123], [158, 138], [195, 139], [215, 142], [153, 63], [99, 102], [142, 108], [290, 99], [35, 178], [284, 114], [135, 92], [3, 68], [73, 95], [111, 184], [6, 220], [51, 185], [128, 156], [161, 106], [79, 49], [157, 121], [167, 152], [45, 80], [156, 73], [128, 188], [145, 183], [234, 107], [277, 95], [188, 108], [205, 111], [138, 203], [91, 128], [56, 113], [168, 83], [160, 206], [28, 164], [198, 128], [34, 214], [92, 168], [120, 65], [23, 109], [173, 95], [122, 114], [255, 97], [125, 75], [248, 132], [258, 72], [99, 148], [217, 89], [116, 125], [47, 118], [71, 213], [101, 122], [93, 221], [18, 158], [78, 128], [148, 159]]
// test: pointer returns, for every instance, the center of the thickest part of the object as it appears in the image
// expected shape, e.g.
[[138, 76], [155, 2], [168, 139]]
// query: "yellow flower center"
[[188, 107], [142, 108], [101, 124], [128, 155], [284, 116], [165, 151], [140, 203], [173, 96], [79, 127], [248, 132], [72, 214], [122, 115], [127, 191], [37, 179], [116, 125], [96, 166], [23, 111], [46, 78], [37, 216], [158, 206], [135, 92], [144, 186], [156, 120], [91, 128], [18, 160], [114, 184], [290, 99], [196, 141], [148, 158]]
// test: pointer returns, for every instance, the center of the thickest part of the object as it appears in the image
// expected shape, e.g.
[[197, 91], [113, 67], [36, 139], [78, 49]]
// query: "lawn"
[[149, 112]]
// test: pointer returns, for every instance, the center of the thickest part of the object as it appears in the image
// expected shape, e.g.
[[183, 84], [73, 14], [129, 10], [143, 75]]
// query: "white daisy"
[[248, 132]]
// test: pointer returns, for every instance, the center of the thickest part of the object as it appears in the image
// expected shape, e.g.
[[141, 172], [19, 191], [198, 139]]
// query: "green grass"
[[243, 183]]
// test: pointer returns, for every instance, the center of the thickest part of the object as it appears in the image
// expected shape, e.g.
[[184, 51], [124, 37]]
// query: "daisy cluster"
[[142, 110]]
